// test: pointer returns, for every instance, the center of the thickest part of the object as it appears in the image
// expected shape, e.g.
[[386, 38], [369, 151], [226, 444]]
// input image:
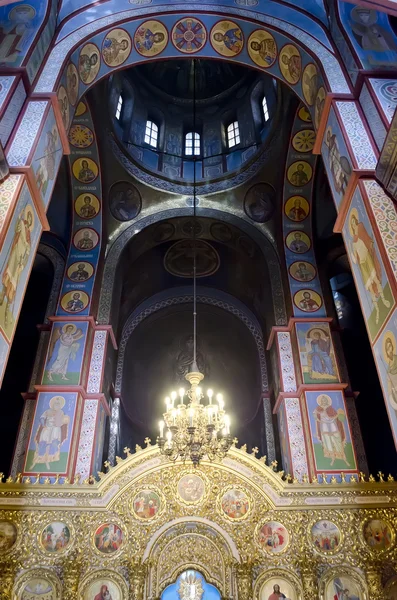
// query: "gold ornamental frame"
[[99, 574], [331, 519], [343, 571], [36, 573]]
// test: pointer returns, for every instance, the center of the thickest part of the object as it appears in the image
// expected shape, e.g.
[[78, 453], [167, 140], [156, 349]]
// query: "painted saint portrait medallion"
[[227, 38], [296, 208], [63, 102], [308, 301], [299, 173], [81, 109], [191, 488], [259, 202], [124, 201], [303, 141], [304, 114], [150, 38], [310, 83], [55, 537], [298, 242], [235, 504], [80, 136], [103, 589], [146, 504], [108, 538], [319, 106], [89, 63], [87, 206], [8, 536], [74, 301], [72, 83], [85, 170], [378, 534], [116, 47], [178, 259], [302, 271], [189, 35], [80, 271], [290, 63], [326, 536], [85, 239], [273, 537], [262, 48]]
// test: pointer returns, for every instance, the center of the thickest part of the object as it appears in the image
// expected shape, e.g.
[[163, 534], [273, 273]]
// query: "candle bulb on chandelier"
[[181, 394], [210, 393], [167, 403], [161, 425], [221, 403], [191, 415], [173, 397], [209, 414], [227, 424]]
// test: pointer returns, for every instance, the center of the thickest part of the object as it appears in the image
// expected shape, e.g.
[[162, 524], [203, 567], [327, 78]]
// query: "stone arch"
[[47, 574], [260, 236]]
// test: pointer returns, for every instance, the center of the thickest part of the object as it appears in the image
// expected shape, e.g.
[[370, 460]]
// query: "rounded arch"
[[46, 574], [100, 576], [260, 236], [279, 573]]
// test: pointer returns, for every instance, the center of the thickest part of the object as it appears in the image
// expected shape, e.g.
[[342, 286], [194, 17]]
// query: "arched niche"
[[36, 583], [290, 585], [191, 585], [98, 580], [339, 578]]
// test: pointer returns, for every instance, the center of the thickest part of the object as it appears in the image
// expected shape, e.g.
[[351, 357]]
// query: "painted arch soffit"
[[95, 31], [75, 13]]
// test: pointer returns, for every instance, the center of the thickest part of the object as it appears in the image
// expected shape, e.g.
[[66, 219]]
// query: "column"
[[244, 580]]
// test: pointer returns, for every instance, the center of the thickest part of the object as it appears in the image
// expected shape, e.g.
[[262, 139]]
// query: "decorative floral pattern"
[[296, 437], [357, 134], [286, 361], [86, 440], [97, 360], [7, 191], [25, 136], [374, 121]]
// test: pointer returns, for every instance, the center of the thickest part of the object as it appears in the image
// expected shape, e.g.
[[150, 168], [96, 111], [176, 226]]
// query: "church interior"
[[198, 300]]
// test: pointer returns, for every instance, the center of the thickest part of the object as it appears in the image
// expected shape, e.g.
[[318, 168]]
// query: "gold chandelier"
[[194, 431]]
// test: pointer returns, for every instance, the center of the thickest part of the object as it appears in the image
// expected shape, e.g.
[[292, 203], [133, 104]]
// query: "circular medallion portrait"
[[146, 504], [103, 589], [87, 206], [227, 38], [191, 488], [246, 245], [221, 232], [8, 536], [63, 102], [163, 232], [310, 83], [262, 48], [89, 63], [72, 83], [290, 63], [85, 239], [74, 302], [259, 202], [235, 504], [273, 537], [308, 301], [80, 271], [178, 259], [378, 534], [299, 173], [296, 208], [38, 588], [343, 587], [116, 47], [151, 38], [55, 537], [190, 226], [298, 242], [302, 271], [80, 136], [189, 35], [80, 110], [124, 201], [303, 141], [326, 536], [304, 114], [108, 538], [319, 106], [85, 170]]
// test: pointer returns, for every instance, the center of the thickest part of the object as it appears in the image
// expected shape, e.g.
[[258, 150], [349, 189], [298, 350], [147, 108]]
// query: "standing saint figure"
[[17, 259], [51, 433], [330, 429], [68, 336], [277, 593], [320, 360], [364, 256], [104, 594], [391, 368]]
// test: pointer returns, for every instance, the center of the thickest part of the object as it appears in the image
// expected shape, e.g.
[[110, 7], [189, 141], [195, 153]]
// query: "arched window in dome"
[[119, 107], [233, 134], [151, 134], [192, 144], [265, 109]]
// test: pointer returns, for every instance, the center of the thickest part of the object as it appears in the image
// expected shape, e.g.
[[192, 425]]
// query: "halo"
[[353, 213], [389, 335], [324, 396], [69, 325], [328, 130], [32, 11], [54, 398], [29, 210], [313, 330], [358, 9]]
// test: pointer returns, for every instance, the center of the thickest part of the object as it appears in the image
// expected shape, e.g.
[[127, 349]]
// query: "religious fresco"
[[116, 47], [378, 534], [235, 504], [146, 504], [330, 432], [63, 103], [89, 63], [326, 536], [369, 273], [55, 537], [273, 537], [103, 589], [316, 353], [125, 201], [284, 438], [227, 38], [47, 157], [72, 83], [65, 353], [151, 38], [108, 538], [87, 217], [191, 488], [290, 63], [275, 586], [50, 437], [336, 158], [8, 536], [18, 24], [385, 351], [343, 587], [371, 35], [38, 588], [259, 202], [4, 349], [16, 259], [189, 35]]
